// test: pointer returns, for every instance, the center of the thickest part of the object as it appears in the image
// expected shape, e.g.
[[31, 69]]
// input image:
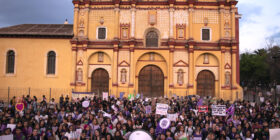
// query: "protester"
[[116, 119]]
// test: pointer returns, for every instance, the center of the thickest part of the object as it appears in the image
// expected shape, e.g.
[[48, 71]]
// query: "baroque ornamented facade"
[[158, 48]]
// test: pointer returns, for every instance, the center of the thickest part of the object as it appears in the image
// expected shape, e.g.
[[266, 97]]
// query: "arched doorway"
[[151, 81], [205, 84], [99, 81]]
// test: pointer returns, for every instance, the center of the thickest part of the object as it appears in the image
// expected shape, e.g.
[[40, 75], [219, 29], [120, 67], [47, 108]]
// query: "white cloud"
[[258, 23]]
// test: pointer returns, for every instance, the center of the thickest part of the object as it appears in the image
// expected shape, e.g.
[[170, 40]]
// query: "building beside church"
[[158, 48]]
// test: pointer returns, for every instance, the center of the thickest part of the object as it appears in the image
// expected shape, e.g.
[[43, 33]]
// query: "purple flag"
[[200, 102], [230, 110]]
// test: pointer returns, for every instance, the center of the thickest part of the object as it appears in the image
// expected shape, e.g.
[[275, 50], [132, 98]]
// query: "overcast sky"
[[260, 18]]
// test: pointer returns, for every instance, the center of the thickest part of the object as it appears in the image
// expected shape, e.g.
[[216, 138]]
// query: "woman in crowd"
[[116, 119]]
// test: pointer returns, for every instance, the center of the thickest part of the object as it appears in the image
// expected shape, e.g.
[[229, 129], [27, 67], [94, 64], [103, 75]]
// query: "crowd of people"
[[115, 119]]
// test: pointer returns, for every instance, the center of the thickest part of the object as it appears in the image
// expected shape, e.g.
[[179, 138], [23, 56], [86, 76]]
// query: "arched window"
[[123, 75], [180, 77], [51, 62], [10, 65], [152, 39]]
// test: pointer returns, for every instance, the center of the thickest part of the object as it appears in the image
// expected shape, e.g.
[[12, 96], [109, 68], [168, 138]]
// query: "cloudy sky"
[[260, 18]]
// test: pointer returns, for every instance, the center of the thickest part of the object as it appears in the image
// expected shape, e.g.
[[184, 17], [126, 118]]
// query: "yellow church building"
[[154, 47]]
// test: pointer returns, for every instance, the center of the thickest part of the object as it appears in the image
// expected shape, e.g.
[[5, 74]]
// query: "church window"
[[206, 34], [10, 65], [152, 39], [51, 62], [101, 33]]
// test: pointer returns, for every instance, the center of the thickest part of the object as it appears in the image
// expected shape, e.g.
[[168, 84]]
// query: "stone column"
[[74, 62], [191, 70], [222, 11], [86, 21], [76, 20], [115, 66], [171, 19], [132, 31], [222, 66], [117, 22], [233, 67], [85, 66], [170, 69], [222, 72], [191, 10], [233, 22], [131, 69]]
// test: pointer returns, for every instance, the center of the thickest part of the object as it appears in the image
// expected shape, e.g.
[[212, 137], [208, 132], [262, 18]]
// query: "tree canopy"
[[260, 68]]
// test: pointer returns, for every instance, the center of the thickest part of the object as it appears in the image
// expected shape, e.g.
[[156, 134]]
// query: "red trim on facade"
[[80, 84], [184, 64], [205, 66], [101, 48], [151, 48], [80, 63], [191, 50], [227, 66], [99, 64], [167, 2], [115, 49], [74, 48], [131, 49], [100, 43], [181, 27], [190, 86], [124, 64], [123, 26], [123, 49], [151, 60]]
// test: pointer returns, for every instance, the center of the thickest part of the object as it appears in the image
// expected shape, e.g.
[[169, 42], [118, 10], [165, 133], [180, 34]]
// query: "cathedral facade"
[[157, 48]]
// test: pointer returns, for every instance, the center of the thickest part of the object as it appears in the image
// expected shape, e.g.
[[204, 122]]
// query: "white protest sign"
[[12, 126], [6, 137], [278, 89], [219, 110], [161, 109], [85, 104], [274, 134], [105, 95], [262, 99], [172, 117], [197, 138]]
